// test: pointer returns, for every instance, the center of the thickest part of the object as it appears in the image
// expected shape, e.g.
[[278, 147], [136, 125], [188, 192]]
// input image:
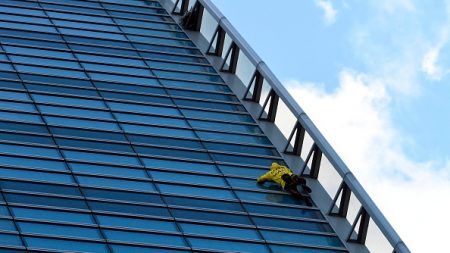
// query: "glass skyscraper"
[[117, 134]]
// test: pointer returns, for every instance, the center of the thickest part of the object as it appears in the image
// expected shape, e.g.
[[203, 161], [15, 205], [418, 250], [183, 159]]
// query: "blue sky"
[[374, 76]]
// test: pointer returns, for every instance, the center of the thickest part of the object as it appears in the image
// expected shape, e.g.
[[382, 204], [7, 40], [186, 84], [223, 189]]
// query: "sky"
[[374, 76]]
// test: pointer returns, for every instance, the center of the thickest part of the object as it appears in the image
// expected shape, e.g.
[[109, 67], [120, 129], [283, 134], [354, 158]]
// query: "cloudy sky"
[[374, 77]]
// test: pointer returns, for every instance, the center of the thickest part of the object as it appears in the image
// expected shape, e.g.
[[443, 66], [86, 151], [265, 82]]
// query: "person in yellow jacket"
[[286, 179]]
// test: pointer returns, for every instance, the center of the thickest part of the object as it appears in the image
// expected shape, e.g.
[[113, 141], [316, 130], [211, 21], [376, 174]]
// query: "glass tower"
[[117, 135]]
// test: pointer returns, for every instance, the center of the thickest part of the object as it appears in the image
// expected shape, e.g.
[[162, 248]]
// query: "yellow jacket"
[[274, 174]]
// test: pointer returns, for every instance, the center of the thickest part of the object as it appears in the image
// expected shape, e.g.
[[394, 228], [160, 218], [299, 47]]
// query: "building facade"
[[117, 134]]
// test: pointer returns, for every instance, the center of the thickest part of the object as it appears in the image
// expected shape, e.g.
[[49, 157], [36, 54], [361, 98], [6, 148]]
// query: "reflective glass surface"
[[117, 135]]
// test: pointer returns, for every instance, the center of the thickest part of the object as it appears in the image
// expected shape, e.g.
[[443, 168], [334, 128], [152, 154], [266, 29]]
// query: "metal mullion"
[[19, 232]]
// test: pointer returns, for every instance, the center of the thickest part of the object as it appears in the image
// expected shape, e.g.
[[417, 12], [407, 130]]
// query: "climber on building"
[[288, 181]]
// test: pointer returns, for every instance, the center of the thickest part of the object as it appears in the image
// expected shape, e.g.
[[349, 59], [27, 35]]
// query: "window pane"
[[35, 175], [144, 238], [59, 230], [59, 244], [96, 157], [108, 170], [196, 191], [32, 163], [228, 245], [146, 224], [116, 183], [240, 233], [204, 203], [53, 215], [26, 150], [179, 165]]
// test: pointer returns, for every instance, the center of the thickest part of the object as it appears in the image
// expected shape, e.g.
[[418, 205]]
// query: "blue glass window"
[[16, 137], [40, 187], [258, 161], [60, 121], [301, 238], [169, 152], [130, 87], [27, 150], [117, 69], [196, 191], [108, 170], [111, 60], [179, 165], [88, 133], [233, 137], [144, 237], [64, 90], [46, 109], [241, 148], [123, 195], [217, 115], [146, 224], [210, 216], [45, 62], [202, 95], [38, 28], [242, 171], [240, 233], [14, 95], [209, 105], [188, 178], [188, 76], [38, 52], [142, 249], [171, 57], [93, 145], [53, 71], [56, 80], [79, 17], [69, 101], [158, 130], [7, 225], [283, 211], [147, 24], [8, 239], [149, 32], [151, 119], [11, 84], [136, 97], [60, 244], [45, 201], [60, 230], [32, 163], [228, 245], [115, 183], [180, 66], [36, 175], [17, 106], [82, 25], [129, 208], [104, 158], [144, 108], [23, 127], [164, 141], [251, 129], [15, 18], [124, 79], [52, 215], [291, 224], [20, 117], [204, 203]]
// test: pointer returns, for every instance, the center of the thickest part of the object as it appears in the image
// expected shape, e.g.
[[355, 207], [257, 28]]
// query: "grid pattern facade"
[[116, 135]]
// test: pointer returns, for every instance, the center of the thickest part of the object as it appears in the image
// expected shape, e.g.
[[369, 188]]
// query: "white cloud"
[[329, 11], [355, 118], [393, 6], [430, 59]]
